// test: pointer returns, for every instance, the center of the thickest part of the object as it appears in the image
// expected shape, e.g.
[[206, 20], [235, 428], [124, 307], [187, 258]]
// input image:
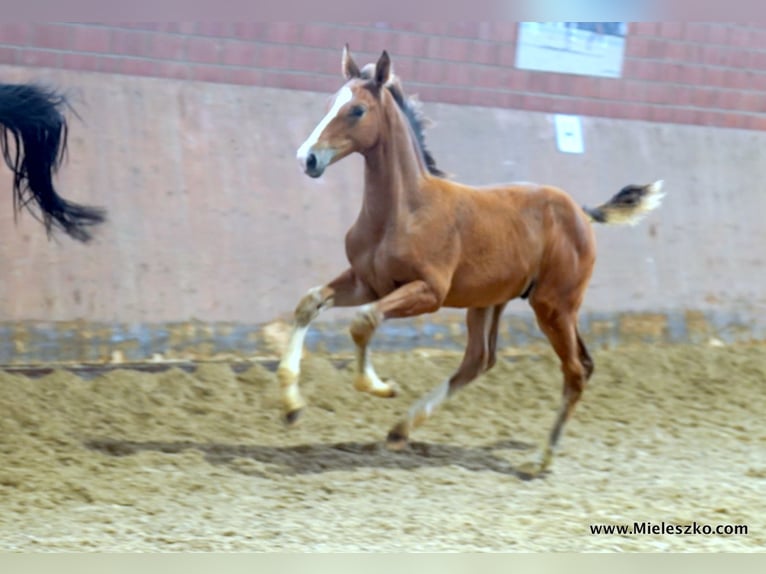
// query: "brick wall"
[[691, 73]]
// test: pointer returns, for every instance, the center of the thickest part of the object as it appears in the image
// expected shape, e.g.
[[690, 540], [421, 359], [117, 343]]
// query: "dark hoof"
[[396, 439], [292, 417]]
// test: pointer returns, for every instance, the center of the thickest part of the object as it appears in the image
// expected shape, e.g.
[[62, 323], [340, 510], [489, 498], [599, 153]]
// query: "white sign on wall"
[[584, 48], [569, 134]]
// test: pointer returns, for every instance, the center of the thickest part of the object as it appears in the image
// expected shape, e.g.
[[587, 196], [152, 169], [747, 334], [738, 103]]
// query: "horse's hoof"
[[396, 439], [530, 470], [393, 390], [291, 418]]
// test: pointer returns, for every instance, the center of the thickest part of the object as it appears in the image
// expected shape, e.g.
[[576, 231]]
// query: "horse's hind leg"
[[560, 326], [344, 291], [479, 357]]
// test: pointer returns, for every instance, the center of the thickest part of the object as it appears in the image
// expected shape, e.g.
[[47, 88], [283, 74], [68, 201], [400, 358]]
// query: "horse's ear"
[[383, 69], [350, 69]]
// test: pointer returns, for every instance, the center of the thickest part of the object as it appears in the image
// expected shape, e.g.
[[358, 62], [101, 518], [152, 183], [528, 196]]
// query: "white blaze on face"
[[341, 99]]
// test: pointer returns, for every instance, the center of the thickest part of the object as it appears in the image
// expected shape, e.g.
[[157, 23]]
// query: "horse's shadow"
[[318, 458]]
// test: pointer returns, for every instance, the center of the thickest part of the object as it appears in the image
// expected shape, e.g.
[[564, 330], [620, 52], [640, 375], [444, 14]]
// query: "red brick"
[[216, 29], [738, 59], [203, 73], [375, 41], [433, 72], [204, 50], [676, 51], [9, 55], [175, 70], [318, 35], [484, 53], [488, 77], [504, 32], [131, 42], [535, 103], [695, 32], [637, 47], [486, 98], [592, 108], [187, 27], [57, 36], [411, 45], [236, 53], [672, 30], [757, 39], [729, 100], [111, 65], [704, 97], [42, 58], [90, 39], [313, 60], [713, 55], [433, 28], [272, 56], [459, 74], [584, 86], [684, 116], [717, 33], [740, 37], [283, 32], [405, 68], [644, 29], [14, 33], [244, 77], [610, 89], [354, 37], [753, 102], [756, 123], [506, 55], [634, 91], [250, 30], [516, 80], [758, 82], [656, 48], [455, 49], [138, 67], [86, 62], [691, 75], [168, 46], [404, 26], [463, 29], [695, 53], [537, 82]]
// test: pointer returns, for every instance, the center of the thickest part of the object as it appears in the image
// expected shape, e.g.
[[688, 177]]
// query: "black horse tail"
[[33, 116]]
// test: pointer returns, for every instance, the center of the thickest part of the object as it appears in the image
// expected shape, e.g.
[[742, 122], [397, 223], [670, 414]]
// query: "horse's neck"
[[394, 173]]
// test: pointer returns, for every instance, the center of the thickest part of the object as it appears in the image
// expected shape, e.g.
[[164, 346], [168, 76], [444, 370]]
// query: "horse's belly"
[[475, 292]]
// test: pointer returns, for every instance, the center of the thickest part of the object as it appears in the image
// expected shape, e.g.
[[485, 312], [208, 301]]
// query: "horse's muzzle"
[[316, 161]]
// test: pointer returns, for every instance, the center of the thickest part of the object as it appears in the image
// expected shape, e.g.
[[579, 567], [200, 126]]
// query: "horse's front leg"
[[346, 290], [410, 300]]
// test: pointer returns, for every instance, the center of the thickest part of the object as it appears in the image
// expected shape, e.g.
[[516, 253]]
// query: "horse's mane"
[[413, 111]]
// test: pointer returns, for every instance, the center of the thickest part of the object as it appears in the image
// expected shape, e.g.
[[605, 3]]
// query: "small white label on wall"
[[569, 134]]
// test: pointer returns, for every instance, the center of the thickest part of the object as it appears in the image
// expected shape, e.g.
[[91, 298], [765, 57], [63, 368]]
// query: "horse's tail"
[[629, 206], [32, 115]]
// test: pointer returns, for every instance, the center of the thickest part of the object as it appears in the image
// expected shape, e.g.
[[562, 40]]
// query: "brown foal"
[[422, 242]]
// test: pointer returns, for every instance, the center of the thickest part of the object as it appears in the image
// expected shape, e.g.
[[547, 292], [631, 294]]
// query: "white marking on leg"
[[292, 357], [423, 408], [341, 99]]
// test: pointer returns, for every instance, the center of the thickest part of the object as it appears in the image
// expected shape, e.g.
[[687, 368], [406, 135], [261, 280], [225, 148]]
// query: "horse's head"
[[352, 123]]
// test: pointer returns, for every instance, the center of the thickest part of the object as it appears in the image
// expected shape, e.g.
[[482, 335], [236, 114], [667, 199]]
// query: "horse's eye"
[[357, 111]]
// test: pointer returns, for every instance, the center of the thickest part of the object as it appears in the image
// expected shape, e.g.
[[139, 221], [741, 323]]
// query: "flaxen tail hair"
[[629, 206], [33, 117]]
